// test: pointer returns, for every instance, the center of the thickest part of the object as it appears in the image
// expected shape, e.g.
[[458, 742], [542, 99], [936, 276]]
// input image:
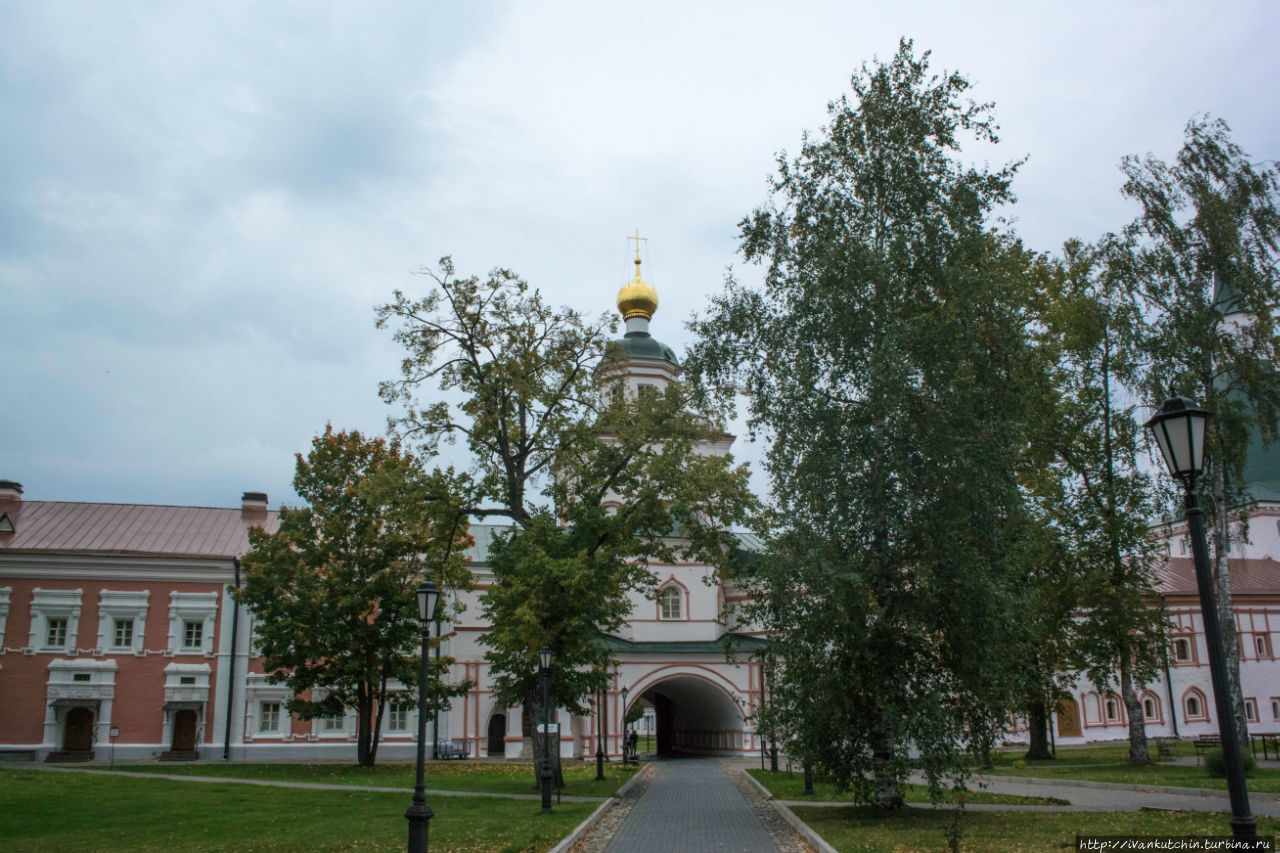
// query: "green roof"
[[645, 346]]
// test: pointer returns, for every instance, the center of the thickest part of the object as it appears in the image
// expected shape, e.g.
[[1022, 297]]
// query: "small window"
[[192, 635], [1181, 650], [669, 602], [186, 679], [1183, 544], [1275, 709], [1113, 711], [1193, 707], [1149, 708], [335, 723], [398, 717], [122, 636], [1262, 645], [1251, 710], [81, 677], [270, 720], [56, 635]]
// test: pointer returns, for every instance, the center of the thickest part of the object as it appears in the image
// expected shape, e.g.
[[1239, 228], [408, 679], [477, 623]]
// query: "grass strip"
[[862, 829], [64, 812], [474, 776], [786, 786], [1111, 764]]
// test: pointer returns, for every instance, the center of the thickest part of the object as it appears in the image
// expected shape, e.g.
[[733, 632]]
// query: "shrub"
[[1217, 765]]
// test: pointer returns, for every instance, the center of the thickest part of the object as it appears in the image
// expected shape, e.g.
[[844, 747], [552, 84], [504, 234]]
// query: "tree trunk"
[[364, 727], [1133, 707], [533, 710], [1226, 612], [888, 796], [1037, 732]]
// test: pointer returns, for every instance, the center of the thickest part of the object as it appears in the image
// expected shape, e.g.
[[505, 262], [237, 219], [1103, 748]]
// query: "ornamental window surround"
[[191, 622], [670, 602], [55, 619], [122, 620]]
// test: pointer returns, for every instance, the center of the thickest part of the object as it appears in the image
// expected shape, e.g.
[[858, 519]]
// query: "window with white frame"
[[55, 618], [269, 718], [1113, 709], [5, 591], [1182, 649], [398, 717], [191, 621], [122, 620], [1149, 708], [334, 722], [669, 602], [1193, 704]]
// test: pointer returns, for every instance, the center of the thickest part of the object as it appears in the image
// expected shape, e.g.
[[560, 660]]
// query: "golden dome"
[[637, 299]]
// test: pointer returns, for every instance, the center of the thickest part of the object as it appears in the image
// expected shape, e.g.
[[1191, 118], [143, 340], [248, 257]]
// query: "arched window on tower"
[[669, 602]]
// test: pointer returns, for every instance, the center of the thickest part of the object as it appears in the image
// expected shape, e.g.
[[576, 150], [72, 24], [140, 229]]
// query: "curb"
[[582, 828], [790, 817]]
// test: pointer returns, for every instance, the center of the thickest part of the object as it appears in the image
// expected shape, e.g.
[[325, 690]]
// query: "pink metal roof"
[[1248, 577], [133, 529]]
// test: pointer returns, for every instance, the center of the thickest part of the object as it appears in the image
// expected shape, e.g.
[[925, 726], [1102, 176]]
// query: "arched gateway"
[[694, 714]]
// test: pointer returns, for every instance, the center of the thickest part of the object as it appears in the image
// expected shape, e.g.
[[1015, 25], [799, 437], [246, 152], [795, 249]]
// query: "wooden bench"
[[456, 748], [1204, 743], [1166, 748]]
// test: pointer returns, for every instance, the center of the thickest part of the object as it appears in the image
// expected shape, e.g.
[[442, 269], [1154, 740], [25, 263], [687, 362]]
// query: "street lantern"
[[1178, 428], [427, 597], [419, 813]]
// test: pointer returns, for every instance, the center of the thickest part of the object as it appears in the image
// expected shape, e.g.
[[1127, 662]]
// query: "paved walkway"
[[691, 805]]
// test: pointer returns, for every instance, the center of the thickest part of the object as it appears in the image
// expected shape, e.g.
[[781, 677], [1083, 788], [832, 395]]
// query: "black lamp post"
[[602, 718], [544, 775], [419, 814], [1178, 429]]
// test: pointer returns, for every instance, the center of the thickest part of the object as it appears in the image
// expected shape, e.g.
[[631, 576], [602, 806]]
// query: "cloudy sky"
[[202, 202]]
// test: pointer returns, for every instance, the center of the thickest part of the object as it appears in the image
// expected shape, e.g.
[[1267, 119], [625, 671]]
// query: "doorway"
[[1068, 718], [77, 734], [184, 731], [498, 735]]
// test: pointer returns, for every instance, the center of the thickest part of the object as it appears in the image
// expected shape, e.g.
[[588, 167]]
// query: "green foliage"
[[333, 591], [1202, 263], [596, 480], [1089, 490], [887, 359], [1216, 764]]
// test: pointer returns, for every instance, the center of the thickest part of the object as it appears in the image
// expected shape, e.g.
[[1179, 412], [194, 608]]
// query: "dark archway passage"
[[694, 716], [498, 735]]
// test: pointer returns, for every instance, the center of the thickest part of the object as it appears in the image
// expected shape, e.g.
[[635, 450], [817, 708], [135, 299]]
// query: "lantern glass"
[[427, 597], [1179, 429], [544, 656]]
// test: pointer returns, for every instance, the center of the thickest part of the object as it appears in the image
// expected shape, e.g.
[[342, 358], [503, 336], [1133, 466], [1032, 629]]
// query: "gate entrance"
[[694, 716], [497, 735]]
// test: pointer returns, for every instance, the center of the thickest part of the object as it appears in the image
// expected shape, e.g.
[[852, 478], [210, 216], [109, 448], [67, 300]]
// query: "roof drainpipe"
[[231, 677]]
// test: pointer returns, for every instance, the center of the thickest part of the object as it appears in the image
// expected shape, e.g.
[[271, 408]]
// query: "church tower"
[[649, 362]]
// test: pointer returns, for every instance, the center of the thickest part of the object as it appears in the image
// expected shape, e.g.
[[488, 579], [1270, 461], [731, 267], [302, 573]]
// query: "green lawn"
[[491, 778], [864, 830], [1110, 764], [61, 812], [786, 786]]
